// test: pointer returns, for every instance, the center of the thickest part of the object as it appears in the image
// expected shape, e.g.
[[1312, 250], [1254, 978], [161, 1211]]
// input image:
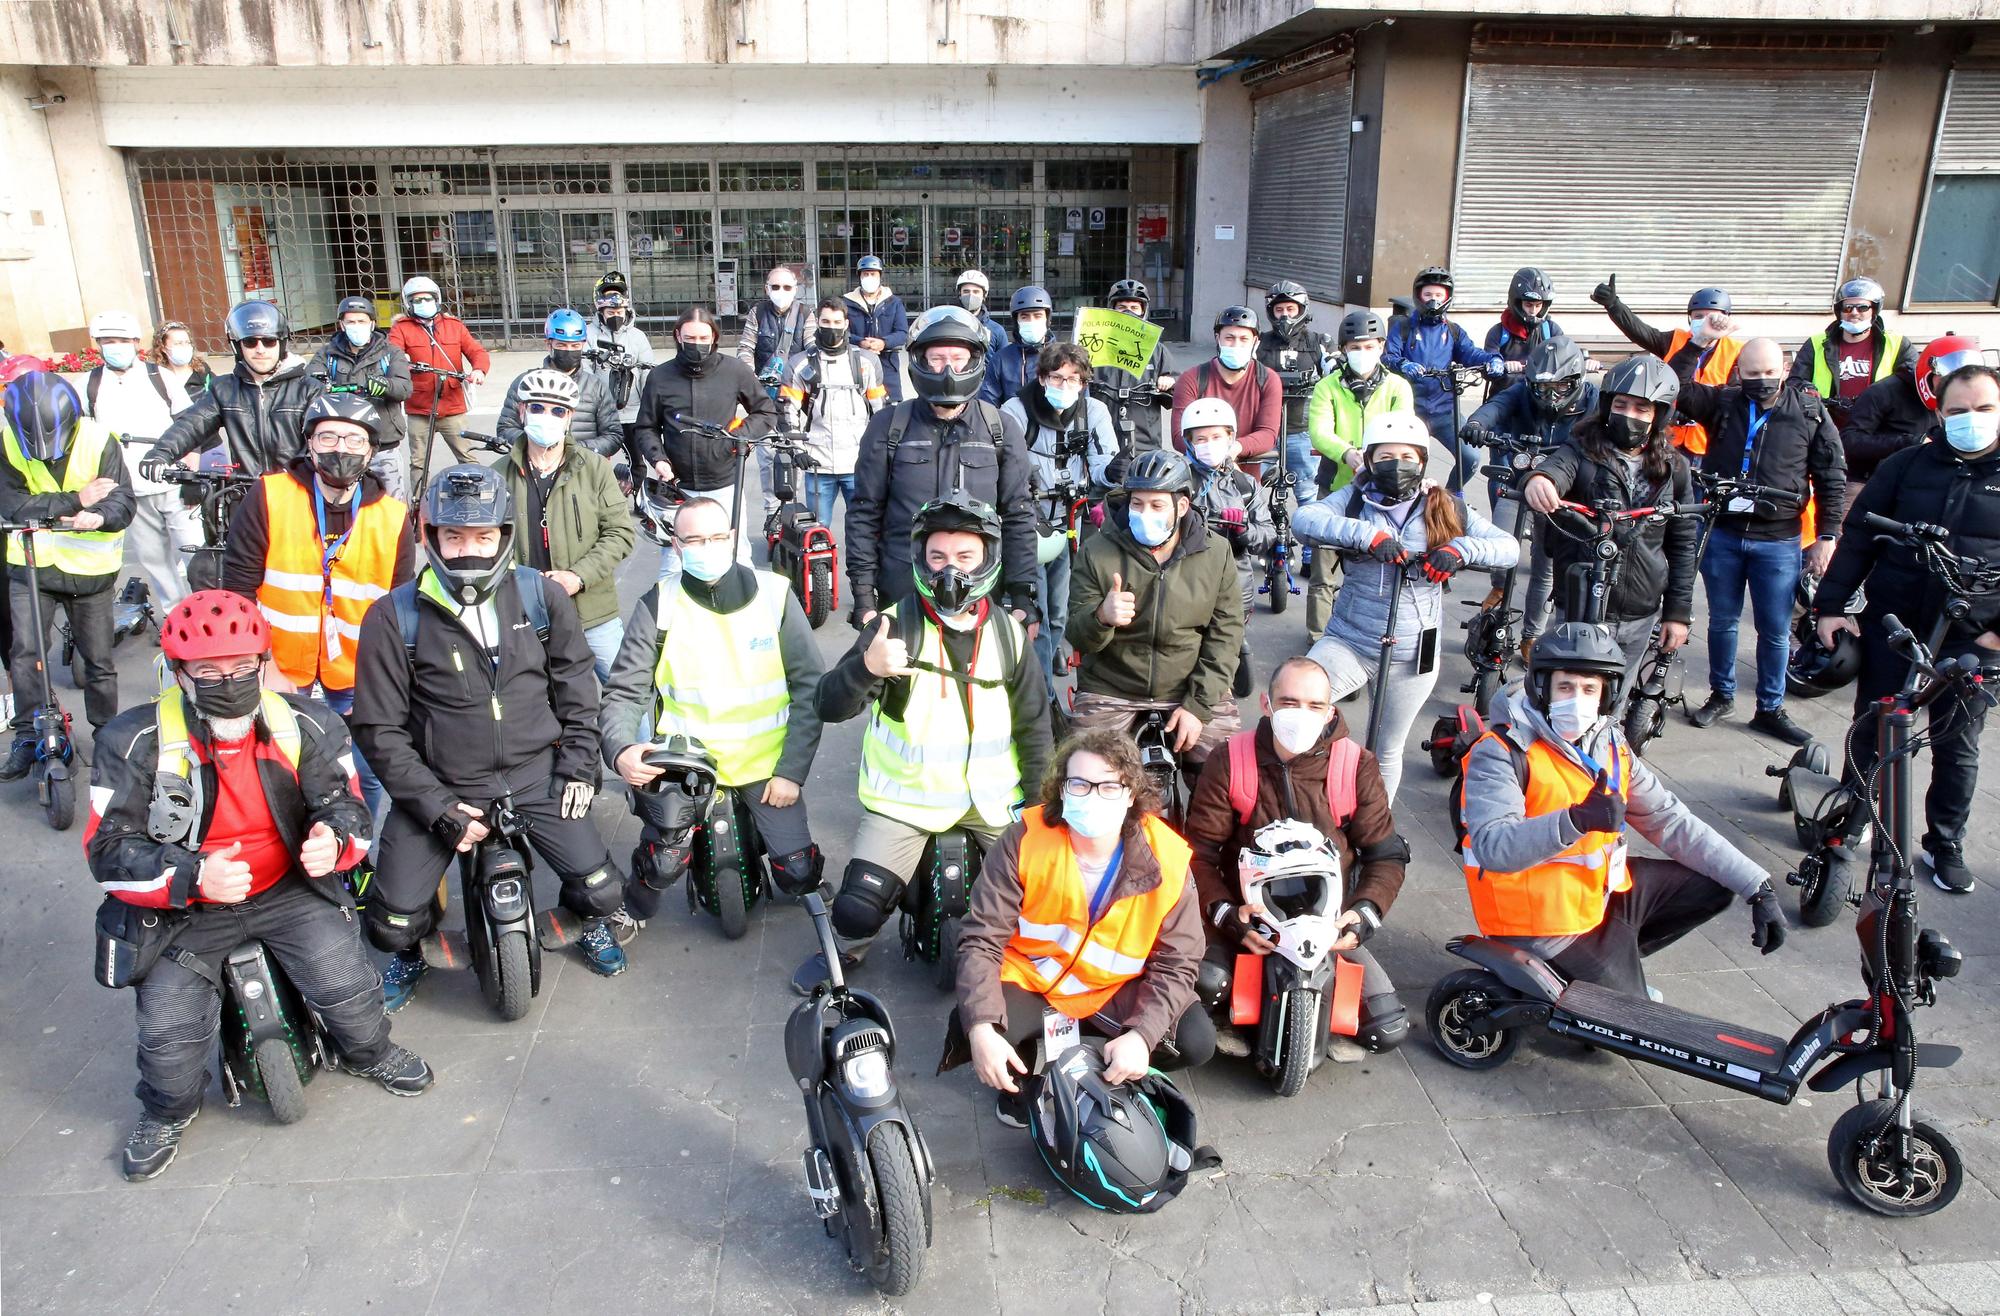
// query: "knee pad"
[[659, 863], [393, 931], [1211, 984], [800, 871], [596, 893], [1384, 1023], [867, 895]]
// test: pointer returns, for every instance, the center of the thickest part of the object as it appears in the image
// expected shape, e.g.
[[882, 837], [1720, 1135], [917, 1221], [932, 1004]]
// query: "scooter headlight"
[[866, 1075]]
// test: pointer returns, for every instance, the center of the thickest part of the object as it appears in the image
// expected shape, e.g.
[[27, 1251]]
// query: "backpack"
[[910, 630], [96, 381], [1343, 760], [527, 583]]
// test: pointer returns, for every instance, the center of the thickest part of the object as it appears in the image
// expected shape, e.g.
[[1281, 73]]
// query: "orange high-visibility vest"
[[1689, 437], [1566, 893], [314, 595], [1056, 951]]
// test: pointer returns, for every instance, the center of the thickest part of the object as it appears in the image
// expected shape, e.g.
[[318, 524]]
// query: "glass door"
[[458, 249], [673, 259], [756, 239], [558, 257]]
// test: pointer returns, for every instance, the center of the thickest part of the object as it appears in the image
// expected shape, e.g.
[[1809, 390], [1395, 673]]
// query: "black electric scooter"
[[216, 487], [713, 833], [501, 943], [1884, 1158], [271, 1044], [801, 548], [55, 787], [868, 1171]]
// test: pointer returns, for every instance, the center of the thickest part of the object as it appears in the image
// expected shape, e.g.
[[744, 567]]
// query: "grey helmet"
[[469, 495], [1554, 373], [956, 326], [1587, 648]]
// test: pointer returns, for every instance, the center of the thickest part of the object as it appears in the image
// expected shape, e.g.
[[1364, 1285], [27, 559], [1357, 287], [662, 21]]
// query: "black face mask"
[[227, 696], [1764, 391], [1430, 312], [566, 359], [950, 589], [340, 470], [615, 320], [1396, 479], [1626, 433], [830, 339], [694, 357]]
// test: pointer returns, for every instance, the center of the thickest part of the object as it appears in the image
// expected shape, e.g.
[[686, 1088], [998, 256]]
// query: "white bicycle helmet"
[[1207, 411], [543, 384], [420, 284], [114, 324], [976, 279], [1395, 427], [1292, 873]]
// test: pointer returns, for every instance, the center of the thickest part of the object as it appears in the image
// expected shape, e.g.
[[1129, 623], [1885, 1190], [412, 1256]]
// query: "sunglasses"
[[781, 287], [258, 342], [555, 409]]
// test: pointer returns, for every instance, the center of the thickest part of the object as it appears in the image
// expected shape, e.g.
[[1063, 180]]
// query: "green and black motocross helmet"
[[951, 590]]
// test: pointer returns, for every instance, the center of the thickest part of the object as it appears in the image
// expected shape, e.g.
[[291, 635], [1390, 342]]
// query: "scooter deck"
[[1653, 1027]]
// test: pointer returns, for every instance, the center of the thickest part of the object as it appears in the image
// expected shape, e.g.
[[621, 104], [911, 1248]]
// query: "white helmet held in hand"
[[1292, 872], [1207, 411]]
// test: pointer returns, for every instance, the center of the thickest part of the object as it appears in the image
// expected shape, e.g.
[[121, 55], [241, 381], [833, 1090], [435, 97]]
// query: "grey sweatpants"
[[161, 526], [1408, 690]]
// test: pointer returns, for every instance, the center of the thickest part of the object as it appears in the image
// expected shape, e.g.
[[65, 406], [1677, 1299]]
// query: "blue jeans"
[[1769, 569], [604, 640], [1444, 428], [1055, 613], [1302, 464], [821, 491], [342, 702]]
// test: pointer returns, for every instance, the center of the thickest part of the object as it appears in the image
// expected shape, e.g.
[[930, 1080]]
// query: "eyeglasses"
[[555, 409], [1078, 787], [341, 442], [426, 300], [207, 672], [258, 342], [781, 287], [703, 541], [1858, 308]]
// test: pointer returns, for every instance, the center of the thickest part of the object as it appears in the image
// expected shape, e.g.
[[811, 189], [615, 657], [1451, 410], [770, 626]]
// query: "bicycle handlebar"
[[421, 368]]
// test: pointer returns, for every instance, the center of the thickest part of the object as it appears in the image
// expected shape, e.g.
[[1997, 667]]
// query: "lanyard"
[[1110, 880], [329, 553], [1759, 418], [1595, 769]]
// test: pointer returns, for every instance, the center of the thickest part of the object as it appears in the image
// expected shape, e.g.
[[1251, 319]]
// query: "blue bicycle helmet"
[[566, 326]]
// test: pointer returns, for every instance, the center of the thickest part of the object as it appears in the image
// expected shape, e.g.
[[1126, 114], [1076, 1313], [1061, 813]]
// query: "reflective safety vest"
[[1056, 951], [1566, 893], [175, 758], [315, 593], [72, 552], [934, 764], [1822, 376], [1689, 437], [721, 679]]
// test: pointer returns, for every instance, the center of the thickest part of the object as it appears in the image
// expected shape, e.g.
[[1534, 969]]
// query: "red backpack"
[[1343, 760]]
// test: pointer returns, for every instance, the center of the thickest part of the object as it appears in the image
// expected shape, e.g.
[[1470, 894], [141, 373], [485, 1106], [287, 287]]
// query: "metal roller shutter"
[[1298, 185], [1969, 142], [1673, 178]]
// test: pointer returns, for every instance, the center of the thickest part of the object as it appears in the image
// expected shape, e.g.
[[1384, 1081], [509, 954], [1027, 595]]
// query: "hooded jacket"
[[593, 423], [713, 394], [589, 526], [261, 421], [885, 319], [340, 364]]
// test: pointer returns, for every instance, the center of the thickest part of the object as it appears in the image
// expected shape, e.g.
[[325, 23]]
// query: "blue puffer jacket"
[[1414, 348], [992, 388], [1347, 521]]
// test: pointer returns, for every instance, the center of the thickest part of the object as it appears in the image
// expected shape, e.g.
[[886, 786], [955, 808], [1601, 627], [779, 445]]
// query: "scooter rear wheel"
[[731, 908], [899, 1191], [280, 1076], [1302, 1042], [1444, 733], [821, 593], [1277, 587], [59, 801], [512, 988], [1861, 1149], [1449, 1014]]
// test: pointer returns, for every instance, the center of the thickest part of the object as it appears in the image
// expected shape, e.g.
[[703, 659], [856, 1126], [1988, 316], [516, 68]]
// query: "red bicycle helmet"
[[213, 623], [1941, 356]]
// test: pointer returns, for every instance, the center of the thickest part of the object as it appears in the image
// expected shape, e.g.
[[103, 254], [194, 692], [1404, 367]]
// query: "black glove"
[[151, 464], [1605, 293], [1443, 563], [863, 605], [1222, 917], [1475, 435], [450, 825], [1603, 810], [1767, 920], [1385, 547], [1371, 921], [377, 386]]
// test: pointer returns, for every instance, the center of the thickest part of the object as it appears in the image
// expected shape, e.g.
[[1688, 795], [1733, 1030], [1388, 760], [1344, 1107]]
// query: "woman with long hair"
[[1401, 537]]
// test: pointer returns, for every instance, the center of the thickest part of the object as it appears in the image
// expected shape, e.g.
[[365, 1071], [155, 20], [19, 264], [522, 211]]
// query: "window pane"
[[761, 176], [574, 178], [1080, 264], [1089, 175], [672, 261], [667, 176], [926, 175], [1960, 259]]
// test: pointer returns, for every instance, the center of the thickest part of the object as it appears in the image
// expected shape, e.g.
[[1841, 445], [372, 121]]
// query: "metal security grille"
[[1687, 177], [510, 234], [1969, 141], [1298, 185]]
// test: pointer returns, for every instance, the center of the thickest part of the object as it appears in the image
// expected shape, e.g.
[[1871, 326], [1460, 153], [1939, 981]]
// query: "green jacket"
[[1183, 645], [590, 527], [1335, 419]]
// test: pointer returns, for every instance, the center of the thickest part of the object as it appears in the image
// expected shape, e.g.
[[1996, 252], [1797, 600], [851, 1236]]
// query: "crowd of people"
[[1044, 557]]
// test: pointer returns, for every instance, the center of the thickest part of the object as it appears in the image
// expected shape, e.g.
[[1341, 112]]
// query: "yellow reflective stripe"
[[1100, 956]]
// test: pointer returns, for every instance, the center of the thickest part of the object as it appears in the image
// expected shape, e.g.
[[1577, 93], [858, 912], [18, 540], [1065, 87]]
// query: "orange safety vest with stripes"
[[1689, 437], [315, 593], [1056, 951], [1565, 894]]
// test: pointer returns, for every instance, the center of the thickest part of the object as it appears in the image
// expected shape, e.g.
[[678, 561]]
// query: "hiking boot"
[[813, 972], [1011, 1109], [399, 978], [153, 1144], [1777, 724], [1946, 860], [602, 954], [1718, 706], [400, 1071], [19, 759]]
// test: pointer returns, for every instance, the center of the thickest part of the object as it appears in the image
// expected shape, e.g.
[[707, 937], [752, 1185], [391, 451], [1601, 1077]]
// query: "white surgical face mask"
[[1061, 397], [870, 282], [423, 307], [1857, 328], [1093, 816], [1212, 453], [1296, 729], [1972, 431], [706, 562], [1572, 719], [1698, 328], [545, 431], [119, 356], [1361, 364], [358, 334], [1031, 332], [181, 355], [781, 298]]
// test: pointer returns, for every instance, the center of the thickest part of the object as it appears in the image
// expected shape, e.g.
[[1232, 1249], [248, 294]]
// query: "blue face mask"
[[706, 562], [1234, 356], [545, 431], [1092, 816], [1060, 398], [1972, 431], [119, 356], [1150, 528], [358, 334]]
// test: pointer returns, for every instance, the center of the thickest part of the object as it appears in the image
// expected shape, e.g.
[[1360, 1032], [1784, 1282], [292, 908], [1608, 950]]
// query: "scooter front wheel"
[[1444, 735], [1862, 1152], [1302, 1042], [279, 1074], [947, 960], [820, 593], [58, 800], [731, 906], [1452, 1013], [1277, 584], [512, 989], [1644, 719], [899, 1192]]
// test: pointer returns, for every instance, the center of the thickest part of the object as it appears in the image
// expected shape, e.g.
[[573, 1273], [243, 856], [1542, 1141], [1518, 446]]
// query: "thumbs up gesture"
[[320, 851], [886, 655], [1605, 293], [1603, 810], [225, 879], [1120, 605]]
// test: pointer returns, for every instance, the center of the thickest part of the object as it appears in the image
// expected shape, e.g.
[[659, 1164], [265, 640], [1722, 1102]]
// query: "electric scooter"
[[55, 787], [271, 1044], [801, 548], [1885, 1158], [1279, 584], [868, 1170], [1293, 1001], [713, 833], [215, 486], [501, 942], [936, 900]]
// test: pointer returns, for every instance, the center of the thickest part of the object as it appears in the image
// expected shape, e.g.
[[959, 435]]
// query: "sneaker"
[[19, 759], [1718, 706], [1230, 1042], [1011, 1109], [400, 1071], [602, 954], [399, 979], [1946, 860], [1777, 724], [624, 927], [153, 1145], [813, 972]]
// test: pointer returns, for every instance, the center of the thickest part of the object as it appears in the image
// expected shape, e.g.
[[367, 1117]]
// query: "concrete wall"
[[587, 33], [1895, 159], [1423, 96], [1222, 188]]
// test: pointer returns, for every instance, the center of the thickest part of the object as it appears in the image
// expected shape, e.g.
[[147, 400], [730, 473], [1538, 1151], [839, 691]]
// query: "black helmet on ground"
[[1129, 290], [1106, 1143], [1285, 290], [1159, 470], [257, 320], [1816, 670], [1356, 325], [951, 326], [469, 496], [1554, 372], [1584, 648], [949, 589], [1530, 285]]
